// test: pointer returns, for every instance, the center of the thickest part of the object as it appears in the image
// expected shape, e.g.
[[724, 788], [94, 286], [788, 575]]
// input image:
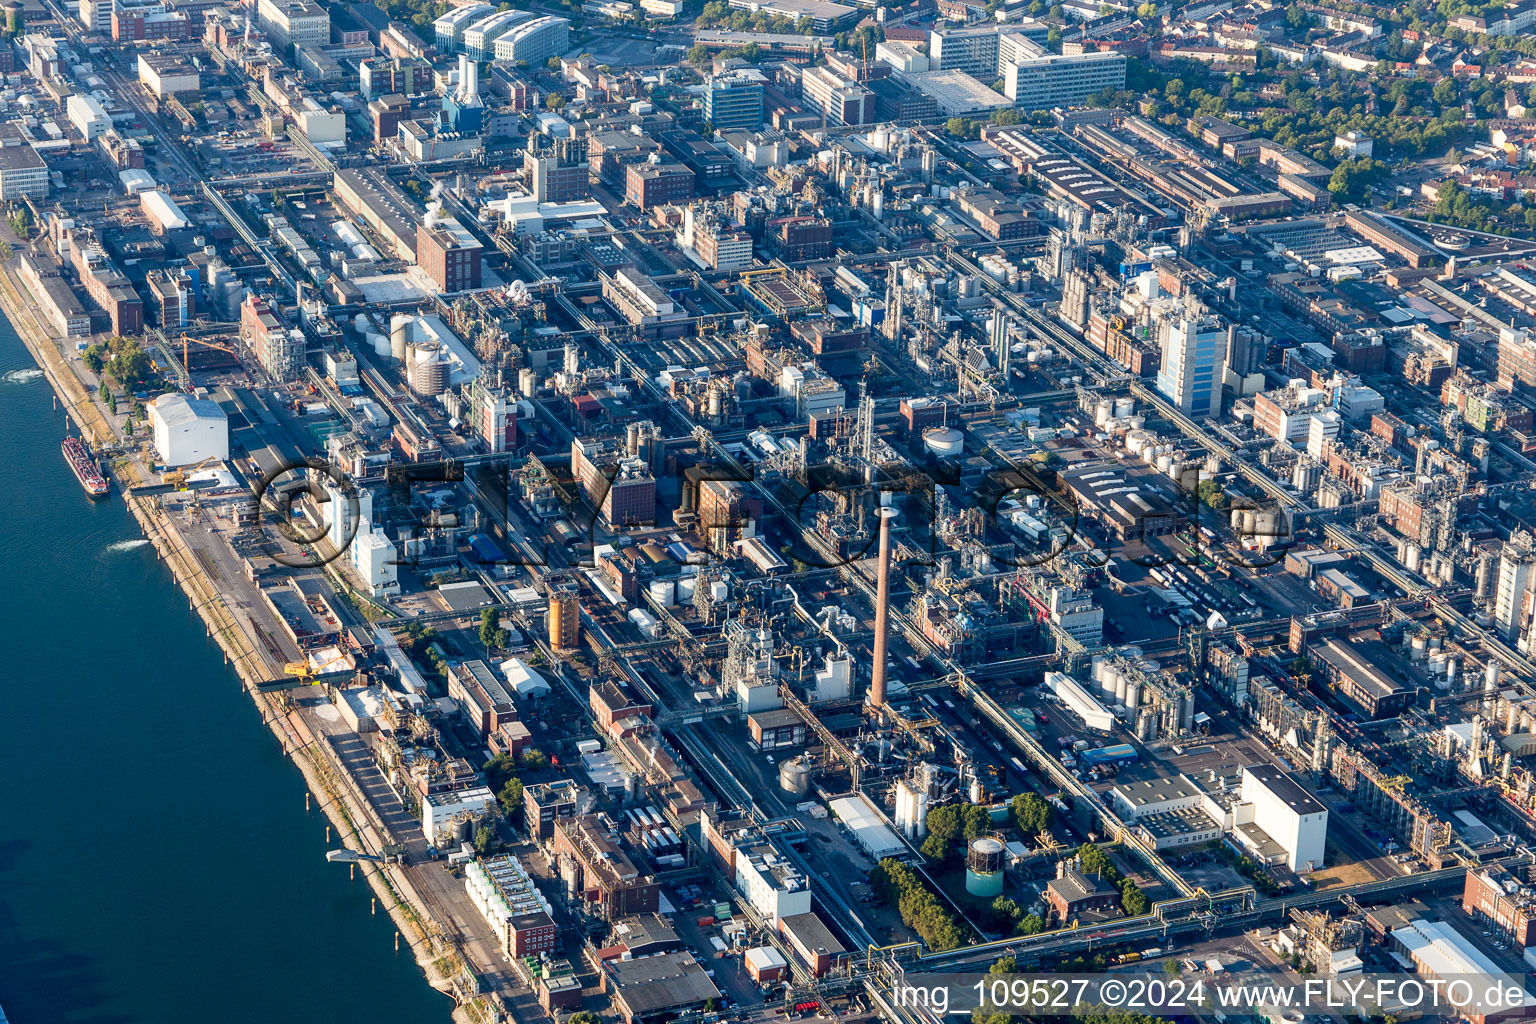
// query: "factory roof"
[[1284, 788], [1183, 822], [1147, 792], [1348, 661], [653, 984], [19, 158], [957, 92], [1073, 886], [174, 409]]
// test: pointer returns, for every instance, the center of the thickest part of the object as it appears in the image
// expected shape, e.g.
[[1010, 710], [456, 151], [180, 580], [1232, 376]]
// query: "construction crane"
[[301, 671], [177, 477], [187, 339]]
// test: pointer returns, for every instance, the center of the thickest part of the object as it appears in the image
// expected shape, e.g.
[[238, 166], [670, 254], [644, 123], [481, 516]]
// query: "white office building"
[[1275, 808], [535, 41], [450, 28], [969, 48], [1063, 80], [293, 23], [188, 430], [774, 887], [88, 116]]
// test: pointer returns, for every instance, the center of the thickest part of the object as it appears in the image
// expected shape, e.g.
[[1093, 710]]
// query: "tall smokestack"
[[876, 698]]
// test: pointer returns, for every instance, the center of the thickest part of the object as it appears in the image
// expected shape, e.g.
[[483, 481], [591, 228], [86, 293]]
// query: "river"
[[157, 864]]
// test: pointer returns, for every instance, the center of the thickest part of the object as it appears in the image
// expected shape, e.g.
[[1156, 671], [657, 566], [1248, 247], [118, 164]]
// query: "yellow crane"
[[301, 671], [177, 477]]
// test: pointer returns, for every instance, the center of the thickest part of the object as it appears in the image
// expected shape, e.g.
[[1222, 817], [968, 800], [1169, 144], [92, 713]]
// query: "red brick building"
[[647, 185], [449, 254]]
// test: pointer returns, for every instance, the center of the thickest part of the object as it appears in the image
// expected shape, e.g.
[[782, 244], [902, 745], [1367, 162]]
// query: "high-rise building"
[[1063, 80], [1193, 354], [969, 48], [838, 100], [564, 617], [450, 28], [448, 253], [1514, 586], [735, 100], [534, 41]]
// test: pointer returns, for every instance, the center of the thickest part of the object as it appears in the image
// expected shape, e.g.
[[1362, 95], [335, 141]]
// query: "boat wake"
[[127, 545], [21, 376]]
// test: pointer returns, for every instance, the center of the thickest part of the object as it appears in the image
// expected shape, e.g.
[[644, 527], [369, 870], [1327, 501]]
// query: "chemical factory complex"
[[734, 506]]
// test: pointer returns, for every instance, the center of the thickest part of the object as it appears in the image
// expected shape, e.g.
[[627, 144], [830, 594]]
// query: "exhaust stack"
[[876, 697]]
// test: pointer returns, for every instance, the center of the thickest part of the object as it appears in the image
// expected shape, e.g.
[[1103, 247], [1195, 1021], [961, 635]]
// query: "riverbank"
[[344, 806]]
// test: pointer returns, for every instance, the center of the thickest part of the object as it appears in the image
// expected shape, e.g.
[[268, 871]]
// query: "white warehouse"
[[188, 430], [1284, 814], [1080, 701], [87, 115]]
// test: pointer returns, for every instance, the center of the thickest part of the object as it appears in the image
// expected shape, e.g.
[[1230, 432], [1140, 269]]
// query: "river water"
[[157, 865]]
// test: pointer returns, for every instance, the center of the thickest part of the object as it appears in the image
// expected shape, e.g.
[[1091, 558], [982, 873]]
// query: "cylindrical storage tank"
[[1110, 679], [686, 585], [1133, 696], [1124, 407], [795, 778], [1122, 687], [15, 17], [1452, 668], [380, 344], [663, 592], [945, 442], [1164, 463], [1102, 412], [716, 403], [975, 791], [984, 867], [1411, 557], [399, 336], [527, 382], [1144, 725]]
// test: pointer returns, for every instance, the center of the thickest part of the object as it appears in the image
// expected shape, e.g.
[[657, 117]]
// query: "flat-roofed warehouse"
[[1130, 510], [1066, 177], [957, 93], [657, 988], [369, 193], [1358, 676]]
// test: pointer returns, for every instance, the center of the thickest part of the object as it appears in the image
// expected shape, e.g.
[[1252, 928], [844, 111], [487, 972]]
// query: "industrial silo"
[[984, 867]]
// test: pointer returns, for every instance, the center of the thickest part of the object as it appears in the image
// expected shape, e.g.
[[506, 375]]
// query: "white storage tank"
[[945, 442], [663, 592]]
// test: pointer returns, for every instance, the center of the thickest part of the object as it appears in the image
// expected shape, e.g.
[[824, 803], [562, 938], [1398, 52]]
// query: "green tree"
[[1030, 924], [491, 633], [498, 770], [1147, 11], [103, 392], [484, 839], [1170, 966], [698, 54], [1094, 861], [510, 797], [535, 759], [1132, 899], [554, 101], [584, 1017], [1210, 492], [1031, 814]]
